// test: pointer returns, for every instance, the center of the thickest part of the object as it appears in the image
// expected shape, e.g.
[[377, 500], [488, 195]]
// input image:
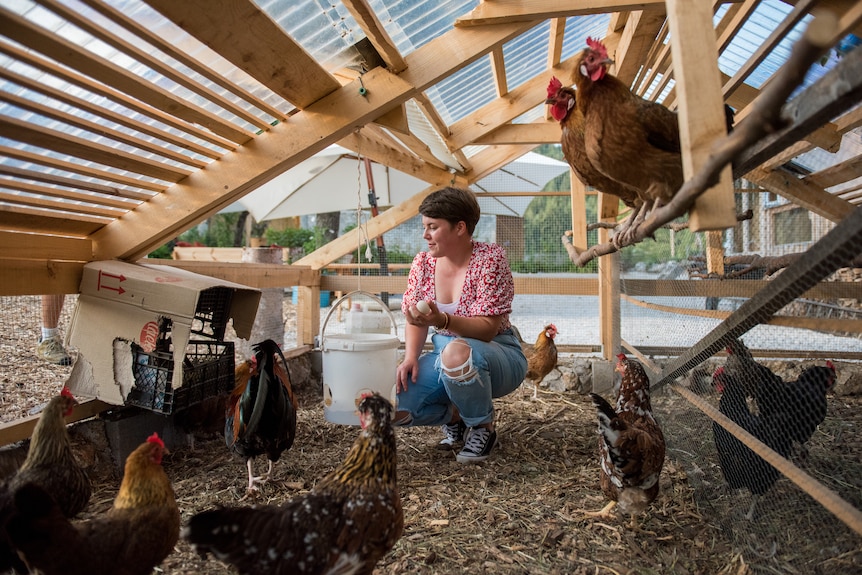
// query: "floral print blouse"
[[488, 287]]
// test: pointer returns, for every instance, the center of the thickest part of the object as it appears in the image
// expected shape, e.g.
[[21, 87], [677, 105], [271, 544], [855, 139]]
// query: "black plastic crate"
[[213, 312], [208, 370]]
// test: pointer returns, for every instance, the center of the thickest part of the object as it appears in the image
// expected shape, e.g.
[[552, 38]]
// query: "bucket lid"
[[359, 342]]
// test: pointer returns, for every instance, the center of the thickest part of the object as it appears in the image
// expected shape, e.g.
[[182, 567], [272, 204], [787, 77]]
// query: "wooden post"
[[701, 110], [269, 321], [609, 283], [579, 212]]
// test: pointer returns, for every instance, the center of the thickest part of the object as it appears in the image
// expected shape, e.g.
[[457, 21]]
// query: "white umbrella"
[[334, 179]]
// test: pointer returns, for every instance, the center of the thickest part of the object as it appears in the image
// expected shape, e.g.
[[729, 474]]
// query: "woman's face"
[[440, 235]]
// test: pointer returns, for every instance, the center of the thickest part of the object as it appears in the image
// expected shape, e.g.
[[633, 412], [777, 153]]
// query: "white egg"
[[423, 306]]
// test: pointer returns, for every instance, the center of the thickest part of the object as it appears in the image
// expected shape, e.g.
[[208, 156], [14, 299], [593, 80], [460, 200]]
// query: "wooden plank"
[[45, 42], [101, 200], [555, 45], [541, 131], [638, 36], [849, 169], [376, 34], [609, 283], [288, 143], [38, 277], [107, 192], [701, 110], [369, 147], [255, 44], [502, 110], [20, 429], [802, 193], [133, 125], [175, 51], [66, 144], [77, 79], [153, 61], [90, 172], [498, 68], [70, 208], [253, 275], [44, 247], [578, 196], [508, 11]]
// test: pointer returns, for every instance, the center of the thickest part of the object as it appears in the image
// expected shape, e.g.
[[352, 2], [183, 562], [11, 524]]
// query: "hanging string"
[[361, 231]]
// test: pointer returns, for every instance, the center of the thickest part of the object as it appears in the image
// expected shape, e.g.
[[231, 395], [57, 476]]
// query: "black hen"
[[345, 524], [261, 412], [804, 400], [740, 466]]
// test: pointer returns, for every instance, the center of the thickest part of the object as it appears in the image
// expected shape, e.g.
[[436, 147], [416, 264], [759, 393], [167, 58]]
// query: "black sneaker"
[[453, 433], [478, 445]]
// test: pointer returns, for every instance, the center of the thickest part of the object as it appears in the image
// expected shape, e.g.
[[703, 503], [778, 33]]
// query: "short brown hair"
[[453, 205]]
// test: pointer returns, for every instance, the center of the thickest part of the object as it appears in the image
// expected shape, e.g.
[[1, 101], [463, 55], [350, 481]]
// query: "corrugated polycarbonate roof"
[[130, 41]]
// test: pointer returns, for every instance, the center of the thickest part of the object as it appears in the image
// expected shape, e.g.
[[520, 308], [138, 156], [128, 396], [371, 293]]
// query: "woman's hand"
[[407, 371], [432, 318]]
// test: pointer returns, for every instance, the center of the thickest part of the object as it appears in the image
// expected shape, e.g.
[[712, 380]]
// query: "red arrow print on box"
[[120, 278]]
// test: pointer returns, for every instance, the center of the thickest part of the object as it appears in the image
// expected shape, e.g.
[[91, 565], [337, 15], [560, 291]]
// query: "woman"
[[468, 289]]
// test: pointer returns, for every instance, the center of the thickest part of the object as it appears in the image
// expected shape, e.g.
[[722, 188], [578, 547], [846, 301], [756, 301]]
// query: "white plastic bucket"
[[355, 364]]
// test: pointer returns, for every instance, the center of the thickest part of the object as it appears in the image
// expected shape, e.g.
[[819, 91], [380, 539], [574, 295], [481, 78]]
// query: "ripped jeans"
[[498, 368]]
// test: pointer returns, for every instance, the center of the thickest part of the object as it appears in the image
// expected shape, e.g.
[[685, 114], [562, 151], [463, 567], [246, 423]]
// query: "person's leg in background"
[[50, 347]]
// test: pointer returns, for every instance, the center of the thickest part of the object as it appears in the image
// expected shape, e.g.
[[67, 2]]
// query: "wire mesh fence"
[[787, 527]]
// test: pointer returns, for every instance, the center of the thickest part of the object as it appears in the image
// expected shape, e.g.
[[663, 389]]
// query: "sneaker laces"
[[477, 439]]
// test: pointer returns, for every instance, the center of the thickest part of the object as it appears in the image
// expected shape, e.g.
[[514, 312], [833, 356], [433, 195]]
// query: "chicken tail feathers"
[[605, 411], [218, 531]]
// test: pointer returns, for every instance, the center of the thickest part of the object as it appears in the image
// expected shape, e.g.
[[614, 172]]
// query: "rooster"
[[51, 465], [740, 466], [631, 443], [135, 535], [627, 138], [345, 524], [804, 400], [541, 357], [564, 109], [261, 412]]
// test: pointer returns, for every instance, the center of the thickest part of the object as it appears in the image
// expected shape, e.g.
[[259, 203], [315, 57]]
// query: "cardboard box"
[[120, 309]]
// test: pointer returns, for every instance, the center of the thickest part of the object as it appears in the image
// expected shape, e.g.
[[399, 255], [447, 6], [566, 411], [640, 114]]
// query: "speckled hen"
[[631, 443], [347, 522]]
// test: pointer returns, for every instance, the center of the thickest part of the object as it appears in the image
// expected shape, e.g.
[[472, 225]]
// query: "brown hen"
[[51, 465], [631, 443], [344, 525], [564, 109], [134, 536], [541, 357]]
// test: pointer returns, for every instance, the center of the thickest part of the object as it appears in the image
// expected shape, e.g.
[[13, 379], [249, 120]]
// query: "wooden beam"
[[498, 68], [37, 277], [288, 143], [90, 172], [44, 247], [20, 429], [100, 200], [638, 36], [542, 132], [254, 275], [29, 133], [56, 47], [555, 45], [98, 88], [802, 193], [509, 11], [108, 192], [376, 34], [609, 283], [578, 198], [849, 169], [253, 43], [701, 114]]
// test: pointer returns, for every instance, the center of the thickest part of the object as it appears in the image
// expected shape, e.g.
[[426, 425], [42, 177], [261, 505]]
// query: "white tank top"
[[447, 307]]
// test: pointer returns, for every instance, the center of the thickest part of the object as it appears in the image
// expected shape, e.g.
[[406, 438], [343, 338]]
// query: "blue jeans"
[[500, 368]]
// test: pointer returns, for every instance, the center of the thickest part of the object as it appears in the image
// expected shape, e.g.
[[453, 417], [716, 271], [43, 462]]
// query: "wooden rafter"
[[508, 11], [253, 43], [368, 21]]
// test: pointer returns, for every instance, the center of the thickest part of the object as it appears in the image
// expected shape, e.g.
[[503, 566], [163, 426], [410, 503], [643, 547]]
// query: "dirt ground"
[[522, 511]]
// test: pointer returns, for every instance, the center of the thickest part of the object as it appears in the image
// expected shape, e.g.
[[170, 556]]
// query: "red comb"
[[830, 365], [597, 46], [66, 393], [719, 371], [154, 438], [621, 356], [554, 87]]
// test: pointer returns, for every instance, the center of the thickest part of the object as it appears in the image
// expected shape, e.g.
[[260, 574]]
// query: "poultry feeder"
[[357, 363]]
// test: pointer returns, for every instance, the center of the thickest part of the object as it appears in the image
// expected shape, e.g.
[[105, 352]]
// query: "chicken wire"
[[790, 530]]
